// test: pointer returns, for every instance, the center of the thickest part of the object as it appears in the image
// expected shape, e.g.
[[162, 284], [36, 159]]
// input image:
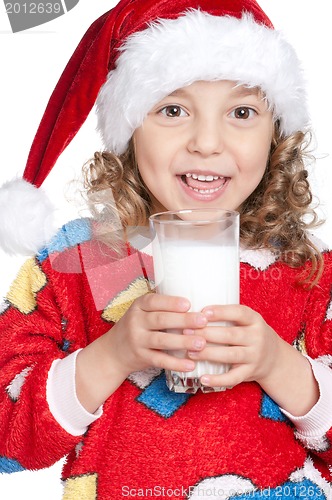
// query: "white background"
[[31, 63]]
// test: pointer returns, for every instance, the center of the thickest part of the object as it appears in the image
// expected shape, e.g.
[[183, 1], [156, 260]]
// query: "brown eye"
[[173, 111], [243, 113]]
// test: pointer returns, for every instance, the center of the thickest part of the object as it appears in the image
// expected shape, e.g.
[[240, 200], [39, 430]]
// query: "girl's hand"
[[138, 340], [257, 353], [250, 345]]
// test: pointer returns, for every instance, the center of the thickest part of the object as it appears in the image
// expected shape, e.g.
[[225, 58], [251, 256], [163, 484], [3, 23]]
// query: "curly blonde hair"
[[277, 215]]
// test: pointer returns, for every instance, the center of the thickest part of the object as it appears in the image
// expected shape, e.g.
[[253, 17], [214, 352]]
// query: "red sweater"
[[151, 442]]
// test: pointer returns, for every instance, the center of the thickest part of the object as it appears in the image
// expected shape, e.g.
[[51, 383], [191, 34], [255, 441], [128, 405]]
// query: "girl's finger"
[[229, 379], [235, 313], [165, 320], [158, 302], [227, 335], [160, 359], [172, 342], [222, 354]]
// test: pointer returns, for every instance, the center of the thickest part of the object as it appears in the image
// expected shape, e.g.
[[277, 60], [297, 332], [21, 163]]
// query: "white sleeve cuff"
[[318, 420], [62, 399]]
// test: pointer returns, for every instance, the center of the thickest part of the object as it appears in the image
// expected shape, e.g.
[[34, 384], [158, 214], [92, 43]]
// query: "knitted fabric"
[[151, 442]]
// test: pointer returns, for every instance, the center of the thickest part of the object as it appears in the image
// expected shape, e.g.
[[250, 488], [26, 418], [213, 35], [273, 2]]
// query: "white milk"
[[203, 273]]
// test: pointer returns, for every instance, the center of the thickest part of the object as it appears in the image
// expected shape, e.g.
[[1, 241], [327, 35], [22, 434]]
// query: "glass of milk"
[[196, 255]]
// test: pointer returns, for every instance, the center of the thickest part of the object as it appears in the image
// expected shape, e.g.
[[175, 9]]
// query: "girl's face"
[[205, 145]]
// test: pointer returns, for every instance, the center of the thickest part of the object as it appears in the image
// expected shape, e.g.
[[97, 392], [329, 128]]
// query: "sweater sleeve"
[[32, 336], [318, 420], [62, 398], [315, 341]]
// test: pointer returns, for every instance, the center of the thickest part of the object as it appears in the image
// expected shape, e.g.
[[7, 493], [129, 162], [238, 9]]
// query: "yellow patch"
[[29, 281], [121, 303], [81, 488], [300, 344]]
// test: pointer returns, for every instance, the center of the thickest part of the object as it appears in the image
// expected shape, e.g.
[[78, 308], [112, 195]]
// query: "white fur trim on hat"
[[171, 54], [26, 218]]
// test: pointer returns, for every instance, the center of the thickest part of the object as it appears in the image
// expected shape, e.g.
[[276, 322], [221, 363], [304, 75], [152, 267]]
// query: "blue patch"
[[71, 234], [160, 399], [305, 489], [65, 345], [42, 255], [9, 465], [269, 409]]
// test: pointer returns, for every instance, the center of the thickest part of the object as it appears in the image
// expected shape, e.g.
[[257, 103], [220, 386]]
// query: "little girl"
[[203, 106]]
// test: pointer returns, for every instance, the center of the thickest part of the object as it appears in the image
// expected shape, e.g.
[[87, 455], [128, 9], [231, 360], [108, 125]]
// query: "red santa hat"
[[129, 59]]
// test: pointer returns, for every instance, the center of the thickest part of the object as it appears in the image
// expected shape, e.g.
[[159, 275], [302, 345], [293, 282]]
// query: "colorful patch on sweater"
[[14, 388], [158, 398], [269, 409], [70, 235], [23, 291], [3, 306], [299, 343], [118, 306], [9, 465], [81, 487]]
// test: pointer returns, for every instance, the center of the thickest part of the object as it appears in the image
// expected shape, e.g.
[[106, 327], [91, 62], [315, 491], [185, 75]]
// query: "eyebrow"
[[178, 92]]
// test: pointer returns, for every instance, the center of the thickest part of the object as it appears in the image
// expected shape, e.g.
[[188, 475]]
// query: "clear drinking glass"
[[196, 255]]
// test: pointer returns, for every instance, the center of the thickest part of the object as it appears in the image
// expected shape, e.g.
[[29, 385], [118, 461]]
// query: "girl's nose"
[[206, 137]]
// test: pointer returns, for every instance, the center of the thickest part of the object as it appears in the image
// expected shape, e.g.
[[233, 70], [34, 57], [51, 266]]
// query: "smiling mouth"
[[204, 184]]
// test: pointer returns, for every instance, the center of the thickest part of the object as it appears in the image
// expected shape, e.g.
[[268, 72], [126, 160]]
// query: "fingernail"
[[193, 354], [184, 304], [205, 380], [201, 320], [198, 343], [208, 313]]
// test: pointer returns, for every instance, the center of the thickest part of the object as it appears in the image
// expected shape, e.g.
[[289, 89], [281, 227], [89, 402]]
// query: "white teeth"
[[206, 191], [205, 178]]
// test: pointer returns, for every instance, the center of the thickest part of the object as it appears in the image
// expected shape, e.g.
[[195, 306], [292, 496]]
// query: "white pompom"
[[26, 218]]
